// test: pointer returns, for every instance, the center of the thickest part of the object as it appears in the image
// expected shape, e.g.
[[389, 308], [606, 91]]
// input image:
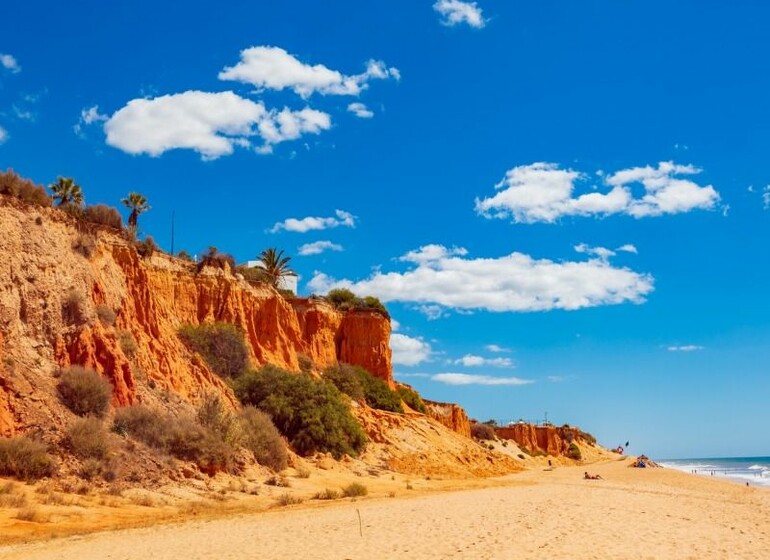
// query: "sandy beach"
[[631, 513]]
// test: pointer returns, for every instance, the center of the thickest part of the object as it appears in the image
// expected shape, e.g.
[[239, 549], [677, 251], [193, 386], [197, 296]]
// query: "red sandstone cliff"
[[545, 439], [51, 296], [450, 415]]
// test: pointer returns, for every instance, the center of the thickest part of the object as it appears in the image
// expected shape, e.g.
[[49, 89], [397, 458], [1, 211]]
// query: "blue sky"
[[563, 204]]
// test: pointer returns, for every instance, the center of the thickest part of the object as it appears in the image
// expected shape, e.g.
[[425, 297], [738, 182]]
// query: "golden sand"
[[631, 513]]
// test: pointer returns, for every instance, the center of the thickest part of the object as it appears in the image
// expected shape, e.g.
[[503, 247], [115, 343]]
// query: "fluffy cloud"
[[274, 68], [766, 197], [318, 247], [454, 12], [88, 117], [3, 135], [602, 252], [517, 282], [312, 223], [212, 124], [10, 63], [541, 192], [684, 348], [470, 360], [360, 110], [409, 351], [469, 379], [495, 348]]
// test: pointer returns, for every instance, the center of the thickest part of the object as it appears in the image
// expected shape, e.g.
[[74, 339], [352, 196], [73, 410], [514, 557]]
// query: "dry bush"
[[181, 437], [287, 500], [303, 472], [33, 515], [84, 391], [25, 459], [127, 343], [12, 496], [262, 438], [106, 315], [146, 248], [85, 244], [73, 309], [26, 190], [482, 431], [88, 439], [327, 494], [103, 215], [278, 480], [220, 421], [355, 489], [306, 364], [216, 259]]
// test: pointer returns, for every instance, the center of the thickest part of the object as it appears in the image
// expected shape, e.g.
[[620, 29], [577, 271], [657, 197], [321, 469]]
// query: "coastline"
[[631, 513]]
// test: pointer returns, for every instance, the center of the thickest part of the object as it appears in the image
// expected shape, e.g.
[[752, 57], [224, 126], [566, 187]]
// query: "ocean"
[[754, 470]]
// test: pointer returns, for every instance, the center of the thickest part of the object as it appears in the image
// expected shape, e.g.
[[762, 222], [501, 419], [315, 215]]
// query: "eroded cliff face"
[[545, 439], [52, 297], [450, 415]]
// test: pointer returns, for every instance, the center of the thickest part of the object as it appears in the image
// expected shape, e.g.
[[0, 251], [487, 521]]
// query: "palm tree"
[[276, 266], [67, 192], [137, 203]]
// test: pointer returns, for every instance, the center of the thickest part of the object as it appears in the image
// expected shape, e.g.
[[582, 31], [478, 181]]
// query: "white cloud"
[[497, 349], [684, 348], [211, 124], [274, 68], [541, 192], [471, 360], [3, 135], [600, 252], [10, 63], [766, 197], [469, 379], [312, 223], [409, 351], [447, 279], [394, 325], [454, 12], [87, 117], [360, 110], [318, 247], [628, 248]]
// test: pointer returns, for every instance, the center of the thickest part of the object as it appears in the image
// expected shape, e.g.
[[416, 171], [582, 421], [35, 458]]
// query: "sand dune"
[[632, 513]]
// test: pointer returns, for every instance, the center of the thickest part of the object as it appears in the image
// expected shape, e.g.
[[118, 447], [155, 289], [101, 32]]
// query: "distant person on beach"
[[587, 476]]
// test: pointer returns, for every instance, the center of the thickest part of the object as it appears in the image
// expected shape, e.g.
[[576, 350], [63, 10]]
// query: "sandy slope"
[[633, 513]]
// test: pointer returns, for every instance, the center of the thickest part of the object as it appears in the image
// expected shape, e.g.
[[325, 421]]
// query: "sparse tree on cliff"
[[137, 203], [67, 192], [276, 266]]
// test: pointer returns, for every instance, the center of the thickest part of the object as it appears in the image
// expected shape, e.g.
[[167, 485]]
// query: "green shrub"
[[574, 452], [88, 439], [305, 362], [84, 391], [221, 345], [585, 436], [310, 413], [362, 386], [84, 243], [354, 489], [25, 459], [482, 431], [411, 398], [262, 438], [184, 255], [103, 215], [347, 380], [106, 315], [344, 300]]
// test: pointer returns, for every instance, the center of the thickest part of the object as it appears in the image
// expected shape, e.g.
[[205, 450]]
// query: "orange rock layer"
[[450, 415], [544, 439]]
